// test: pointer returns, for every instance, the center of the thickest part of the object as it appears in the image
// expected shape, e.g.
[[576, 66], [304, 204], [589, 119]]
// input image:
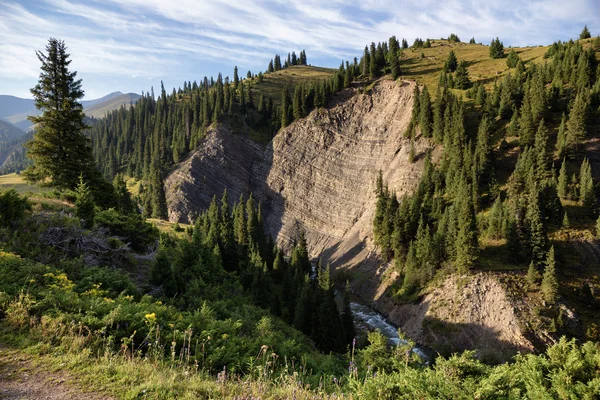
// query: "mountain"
[[8, 131], [11, 105], [99, 109], [91, 103], [15, 110]]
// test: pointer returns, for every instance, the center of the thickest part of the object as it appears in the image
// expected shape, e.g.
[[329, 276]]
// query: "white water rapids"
[[375, 321]]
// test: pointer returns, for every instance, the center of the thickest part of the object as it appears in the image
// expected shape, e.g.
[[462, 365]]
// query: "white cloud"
[[165, 38]]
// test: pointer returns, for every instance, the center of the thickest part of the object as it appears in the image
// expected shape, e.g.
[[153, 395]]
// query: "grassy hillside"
[[14, 181], [274, 82], [99, 110]]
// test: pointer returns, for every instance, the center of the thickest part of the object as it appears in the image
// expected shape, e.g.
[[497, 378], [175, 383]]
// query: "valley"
[[420, 222]]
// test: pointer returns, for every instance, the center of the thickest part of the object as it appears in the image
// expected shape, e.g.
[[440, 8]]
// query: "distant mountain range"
[[15, 110]]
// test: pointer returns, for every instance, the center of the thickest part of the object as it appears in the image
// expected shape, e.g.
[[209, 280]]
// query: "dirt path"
[[21, 379]]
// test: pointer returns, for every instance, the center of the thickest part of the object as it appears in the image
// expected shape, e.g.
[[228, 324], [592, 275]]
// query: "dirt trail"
[[21, 379]]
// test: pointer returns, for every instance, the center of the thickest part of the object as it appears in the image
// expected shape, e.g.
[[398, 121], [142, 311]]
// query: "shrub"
[[131, 228], [12, 207]]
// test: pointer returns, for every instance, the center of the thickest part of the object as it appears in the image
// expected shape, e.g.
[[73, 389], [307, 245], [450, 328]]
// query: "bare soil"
[[21, 379]]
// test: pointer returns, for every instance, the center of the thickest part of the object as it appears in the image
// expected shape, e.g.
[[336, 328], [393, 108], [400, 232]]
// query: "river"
[[375, 321]]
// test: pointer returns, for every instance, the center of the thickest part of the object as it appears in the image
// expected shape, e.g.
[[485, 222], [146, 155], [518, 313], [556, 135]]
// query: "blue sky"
[[130, 45]]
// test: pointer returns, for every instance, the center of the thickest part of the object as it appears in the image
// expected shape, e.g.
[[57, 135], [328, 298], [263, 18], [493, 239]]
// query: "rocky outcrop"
[[465, 312], [319, 175]]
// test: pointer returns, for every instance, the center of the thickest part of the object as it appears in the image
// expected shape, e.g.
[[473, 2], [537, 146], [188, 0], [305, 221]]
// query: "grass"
[[273, 83], [481, 67], [100, 110], [131, 377], [169, 227], [14, 181]]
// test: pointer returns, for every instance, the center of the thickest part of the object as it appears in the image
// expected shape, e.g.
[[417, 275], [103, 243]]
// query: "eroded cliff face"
[[319, 175]]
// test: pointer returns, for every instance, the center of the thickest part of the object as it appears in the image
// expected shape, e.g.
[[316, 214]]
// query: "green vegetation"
[[217, 310], [473, 204], [118, 339]]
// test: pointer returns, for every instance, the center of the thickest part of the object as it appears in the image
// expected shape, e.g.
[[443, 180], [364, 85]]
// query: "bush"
[[131, 228], [12, 207]]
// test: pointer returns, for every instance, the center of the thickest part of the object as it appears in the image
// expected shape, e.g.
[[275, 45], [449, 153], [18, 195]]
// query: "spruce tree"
[[451, 62], [549, 284], [561, 139], [462, 80], [532, 275], [536, 232], [563, 181], [585, 33], [496, 49], [425, 117], [59, 150], [576, 130], [84, 204], [466, 238], [285, 105], [587, 193], [513, 59]]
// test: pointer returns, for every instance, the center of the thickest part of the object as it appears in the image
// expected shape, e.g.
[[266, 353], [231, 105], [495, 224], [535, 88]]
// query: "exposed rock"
[[465, 312], [319, 174]]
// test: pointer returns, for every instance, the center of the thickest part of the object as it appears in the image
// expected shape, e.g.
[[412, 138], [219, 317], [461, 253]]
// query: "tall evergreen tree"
[[563, 181], [60, 151], [549, 284], [576, 130], [285, 106], [585, 33], [496, 49], [587, 193]]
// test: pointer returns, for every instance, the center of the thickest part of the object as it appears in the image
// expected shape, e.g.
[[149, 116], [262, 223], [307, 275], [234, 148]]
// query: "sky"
[[131, 45]]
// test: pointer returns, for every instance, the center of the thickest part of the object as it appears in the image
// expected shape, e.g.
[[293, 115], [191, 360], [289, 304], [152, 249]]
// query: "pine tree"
[[543, 150], [285, 105], [393, 60], [532, 275], [462, 80], [561, 139], [536, 232], [466, 238], [585, 33], [598, 228], [297, 103], [513, 59], [60, 151], [496, 49], [425, 117], [549, 284], [372, 62], [563, 181], [587, 193], [451, 62], [236, 78], [576, 130], [84, 204]]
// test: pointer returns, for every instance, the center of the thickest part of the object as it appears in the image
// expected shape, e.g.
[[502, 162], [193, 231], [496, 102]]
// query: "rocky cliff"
[[319, 175]]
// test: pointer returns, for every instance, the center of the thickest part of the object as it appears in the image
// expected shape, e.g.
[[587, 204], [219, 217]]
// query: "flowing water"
[[366, 316]]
